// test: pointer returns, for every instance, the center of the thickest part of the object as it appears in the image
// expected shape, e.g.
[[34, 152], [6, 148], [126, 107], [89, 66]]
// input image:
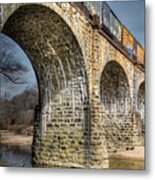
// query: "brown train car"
[[140, 53], [127, 38], [133, 47]]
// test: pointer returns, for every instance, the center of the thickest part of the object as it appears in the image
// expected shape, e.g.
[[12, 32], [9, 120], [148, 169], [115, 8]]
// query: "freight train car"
[[110, 21], [113, 27], [106, 16], [140, 53], [132, 45]]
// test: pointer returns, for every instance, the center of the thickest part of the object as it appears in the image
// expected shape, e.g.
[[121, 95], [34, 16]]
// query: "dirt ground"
[[10, 138], [137, 153], [131, 159]]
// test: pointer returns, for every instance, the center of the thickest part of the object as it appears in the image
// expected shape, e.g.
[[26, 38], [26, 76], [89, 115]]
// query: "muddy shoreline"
[[15, 149], [20, 148], [13, 140]]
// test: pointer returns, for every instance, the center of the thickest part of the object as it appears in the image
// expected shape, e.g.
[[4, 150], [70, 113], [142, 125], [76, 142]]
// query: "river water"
[[14, 157], [125, 163]]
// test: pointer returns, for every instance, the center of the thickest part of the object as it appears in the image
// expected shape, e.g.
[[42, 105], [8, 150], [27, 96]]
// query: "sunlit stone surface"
[[72, 60]]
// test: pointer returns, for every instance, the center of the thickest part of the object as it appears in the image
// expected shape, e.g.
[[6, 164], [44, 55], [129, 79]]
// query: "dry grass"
[[21, 129], [17, 136]]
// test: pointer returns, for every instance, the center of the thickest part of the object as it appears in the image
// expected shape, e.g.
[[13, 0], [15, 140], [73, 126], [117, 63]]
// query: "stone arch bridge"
[[90, 90]]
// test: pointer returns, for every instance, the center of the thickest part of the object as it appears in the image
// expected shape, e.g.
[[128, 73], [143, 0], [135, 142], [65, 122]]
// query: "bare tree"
[[14, 111], [11, 66], [13, 71]]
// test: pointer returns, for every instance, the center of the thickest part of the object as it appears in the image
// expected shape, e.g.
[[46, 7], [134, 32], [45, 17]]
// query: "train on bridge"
[[115, 29], [91, 80], [111, 24]]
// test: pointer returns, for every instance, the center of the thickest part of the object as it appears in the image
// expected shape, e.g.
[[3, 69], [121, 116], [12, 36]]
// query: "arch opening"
[[115, 97], [114, 90], [18, 100], [141, 101], [62, 114]]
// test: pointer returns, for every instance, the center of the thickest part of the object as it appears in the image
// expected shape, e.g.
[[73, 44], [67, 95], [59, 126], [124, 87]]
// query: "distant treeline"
[[18, 110]]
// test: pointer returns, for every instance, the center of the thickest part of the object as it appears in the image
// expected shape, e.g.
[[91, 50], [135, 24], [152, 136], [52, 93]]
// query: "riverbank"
[[11, 138], [15, 149], [20, 147], [128, 160], [138, 153]]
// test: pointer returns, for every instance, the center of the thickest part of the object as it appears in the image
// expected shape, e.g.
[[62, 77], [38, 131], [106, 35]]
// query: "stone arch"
[[141, 100], [62, 115], [114, 89], [115, 98]]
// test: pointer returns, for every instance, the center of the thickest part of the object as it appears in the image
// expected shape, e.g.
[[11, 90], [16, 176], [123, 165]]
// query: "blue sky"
[[14, 53], [131, 14]]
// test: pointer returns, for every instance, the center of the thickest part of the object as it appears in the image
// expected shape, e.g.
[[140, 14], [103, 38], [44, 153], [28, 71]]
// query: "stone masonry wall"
[[69, 54], [120, 128], [64, 139]]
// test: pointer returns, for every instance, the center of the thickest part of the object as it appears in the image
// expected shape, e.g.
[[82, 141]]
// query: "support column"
[[98, 148]]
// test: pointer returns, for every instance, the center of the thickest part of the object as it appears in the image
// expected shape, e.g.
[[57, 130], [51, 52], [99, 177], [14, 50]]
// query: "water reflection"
[[13, 156], [124, 163]]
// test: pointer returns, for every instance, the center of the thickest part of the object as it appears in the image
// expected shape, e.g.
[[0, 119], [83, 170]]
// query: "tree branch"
[[11, 79]]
